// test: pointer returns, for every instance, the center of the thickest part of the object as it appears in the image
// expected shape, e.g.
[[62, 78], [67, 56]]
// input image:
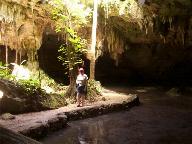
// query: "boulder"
[[17, 100], [9, 137]]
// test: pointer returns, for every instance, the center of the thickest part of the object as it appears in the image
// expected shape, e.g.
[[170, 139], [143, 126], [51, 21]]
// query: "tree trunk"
[[93, 43], [92, 67], [71, 91]]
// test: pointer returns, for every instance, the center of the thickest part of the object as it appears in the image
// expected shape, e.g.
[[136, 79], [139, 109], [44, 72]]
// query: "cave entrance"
[[48, 61], [108, 73], [126, 74], [13, 56]]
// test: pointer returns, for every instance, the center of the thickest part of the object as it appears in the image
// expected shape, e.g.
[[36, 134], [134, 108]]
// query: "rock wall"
[[154, 47], [16, 99]]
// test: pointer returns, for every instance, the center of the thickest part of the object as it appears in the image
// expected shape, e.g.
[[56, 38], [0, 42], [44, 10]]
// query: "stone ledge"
[[42, 129], [102, 109], [39, 124]]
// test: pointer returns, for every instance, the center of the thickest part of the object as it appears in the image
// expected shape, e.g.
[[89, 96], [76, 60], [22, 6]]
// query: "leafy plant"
[[5, 72], [71, 53], [94, 89], [68, 16], [30, 86], [46, 83]]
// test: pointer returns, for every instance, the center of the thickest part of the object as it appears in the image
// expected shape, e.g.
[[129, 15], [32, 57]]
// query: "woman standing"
[[81, 85]]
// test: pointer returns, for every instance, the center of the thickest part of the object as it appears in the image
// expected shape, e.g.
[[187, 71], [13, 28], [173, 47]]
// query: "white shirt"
[[81, 79]]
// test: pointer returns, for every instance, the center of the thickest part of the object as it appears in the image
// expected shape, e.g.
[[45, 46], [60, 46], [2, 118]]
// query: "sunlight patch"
[[20, 72], [1, 94]]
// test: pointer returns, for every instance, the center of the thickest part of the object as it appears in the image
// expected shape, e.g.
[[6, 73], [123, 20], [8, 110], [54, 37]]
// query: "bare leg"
[[83, 99], [78, 99]]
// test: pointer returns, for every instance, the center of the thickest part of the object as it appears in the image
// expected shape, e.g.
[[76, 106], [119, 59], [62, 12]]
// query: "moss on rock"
[[17, 99]]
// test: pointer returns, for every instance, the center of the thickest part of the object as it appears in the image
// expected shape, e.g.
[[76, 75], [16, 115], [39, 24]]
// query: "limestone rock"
[[10, 137], [7, 116], [16, 100], [22, 23]]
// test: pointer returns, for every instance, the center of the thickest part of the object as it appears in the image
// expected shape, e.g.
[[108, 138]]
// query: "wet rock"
[[36, 131], [103, 99], [173, 92], [42, 128], [141, 90], [57, 122], [62, 116]]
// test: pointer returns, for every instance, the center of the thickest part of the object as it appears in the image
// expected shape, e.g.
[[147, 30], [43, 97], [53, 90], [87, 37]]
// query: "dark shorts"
[[81, 89]]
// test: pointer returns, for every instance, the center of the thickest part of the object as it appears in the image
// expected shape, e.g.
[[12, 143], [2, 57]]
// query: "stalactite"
[[33, 25], [13, 16], [20, 56], [115, 43], [16, 57]]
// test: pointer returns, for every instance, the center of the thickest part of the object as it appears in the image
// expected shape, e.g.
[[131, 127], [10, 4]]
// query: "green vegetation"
[[30, 86], [68, 16], [4, 71], [70, 54], [94, 89], [33, 91], [37, 93]]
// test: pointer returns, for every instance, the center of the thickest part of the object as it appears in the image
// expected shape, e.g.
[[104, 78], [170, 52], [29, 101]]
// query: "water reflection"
[[81, 132], [91, 134]]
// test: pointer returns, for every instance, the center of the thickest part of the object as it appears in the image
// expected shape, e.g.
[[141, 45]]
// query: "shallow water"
[[160, 119]]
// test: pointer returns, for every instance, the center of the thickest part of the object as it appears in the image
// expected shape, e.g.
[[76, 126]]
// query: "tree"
[[70, 55], [93, 44], [69, 16]]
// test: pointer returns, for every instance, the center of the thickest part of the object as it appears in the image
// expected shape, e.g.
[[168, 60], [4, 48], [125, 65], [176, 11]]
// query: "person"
[[81, 87]]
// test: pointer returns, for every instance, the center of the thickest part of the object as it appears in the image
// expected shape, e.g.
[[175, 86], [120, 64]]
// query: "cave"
[[146, 67], [140, 64], [125, 73], [11, 54], [48, 58]]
